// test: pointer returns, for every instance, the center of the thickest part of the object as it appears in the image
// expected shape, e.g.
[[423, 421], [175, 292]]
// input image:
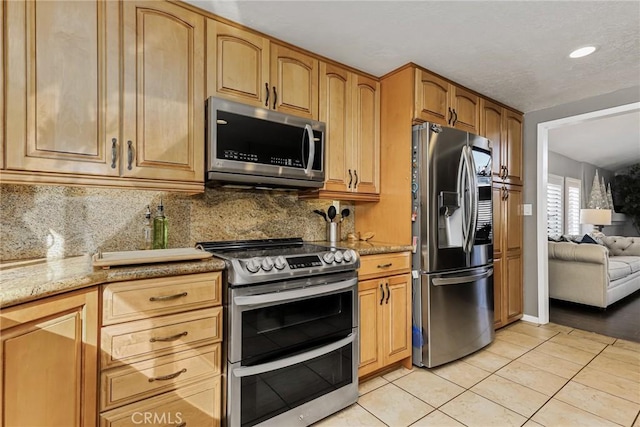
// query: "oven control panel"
[[321, 261]]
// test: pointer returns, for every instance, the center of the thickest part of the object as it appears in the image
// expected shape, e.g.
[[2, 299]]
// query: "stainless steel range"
[[291, 332]]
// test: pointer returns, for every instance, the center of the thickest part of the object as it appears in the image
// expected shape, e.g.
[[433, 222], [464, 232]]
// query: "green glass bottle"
[[160, 229]]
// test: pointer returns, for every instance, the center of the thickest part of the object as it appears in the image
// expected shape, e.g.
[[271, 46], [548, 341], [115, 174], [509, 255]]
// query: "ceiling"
[[513, 51], [611, 142]]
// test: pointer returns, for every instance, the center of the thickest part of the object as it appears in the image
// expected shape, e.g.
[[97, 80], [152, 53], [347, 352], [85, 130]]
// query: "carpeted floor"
[[620, 320]]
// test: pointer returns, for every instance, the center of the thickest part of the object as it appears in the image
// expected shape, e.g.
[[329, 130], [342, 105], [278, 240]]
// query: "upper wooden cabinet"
[[63, 83], [350, 107], [163, 115], [248, 68], [70, 121], [49, 350], [503, 128], [439, 101], [237, 64]]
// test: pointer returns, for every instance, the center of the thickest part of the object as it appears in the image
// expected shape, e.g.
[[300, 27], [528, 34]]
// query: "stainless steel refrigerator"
[[452, 225]]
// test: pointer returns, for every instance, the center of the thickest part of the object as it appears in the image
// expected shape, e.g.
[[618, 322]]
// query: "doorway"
[[543, 129]]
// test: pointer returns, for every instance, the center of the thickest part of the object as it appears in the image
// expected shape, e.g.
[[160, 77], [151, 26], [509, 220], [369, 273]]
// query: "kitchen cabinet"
[[91, 108], [507, 254], [249, 68], [161, 344], [439, 101], [385, 312], [237, 64], [503, 128], [49, 361], [350, 107]]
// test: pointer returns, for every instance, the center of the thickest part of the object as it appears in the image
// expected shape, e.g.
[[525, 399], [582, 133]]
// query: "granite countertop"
[[369, 247], [30, 282]]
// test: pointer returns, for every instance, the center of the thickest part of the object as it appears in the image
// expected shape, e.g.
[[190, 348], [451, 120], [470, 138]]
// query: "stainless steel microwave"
[[257, 147]]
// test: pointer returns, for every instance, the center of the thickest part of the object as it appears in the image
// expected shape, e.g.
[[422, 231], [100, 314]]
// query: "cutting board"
[[110, 259]]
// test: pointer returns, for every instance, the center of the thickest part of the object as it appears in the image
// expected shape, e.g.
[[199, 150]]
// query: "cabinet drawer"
[[139, 299], [141, 380], [384, 265], [149, 338], [195, 405]]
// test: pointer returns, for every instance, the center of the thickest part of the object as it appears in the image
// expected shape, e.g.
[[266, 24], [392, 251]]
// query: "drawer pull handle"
[[385, 265], [168, 297], [171, 338], [168, 377]]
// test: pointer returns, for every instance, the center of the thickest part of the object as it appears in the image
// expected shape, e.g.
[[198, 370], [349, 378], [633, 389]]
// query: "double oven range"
[[291, 330]]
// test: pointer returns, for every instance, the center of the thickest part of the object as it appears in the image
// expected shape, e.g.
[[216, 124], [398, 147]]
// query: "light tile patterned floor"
[[531, 376]]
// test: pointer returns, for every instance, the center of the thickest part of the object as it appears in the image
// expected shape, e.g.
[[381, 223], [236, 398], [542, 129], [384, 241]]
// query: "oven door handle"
[[293, 360], [270, 298]]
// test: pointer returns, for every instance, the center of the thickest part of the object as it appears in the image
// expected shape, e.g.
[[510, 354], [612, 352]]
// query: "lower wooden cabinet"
[[507, 254], [385, 316], [161, 351], [195, 405], [49, 361]]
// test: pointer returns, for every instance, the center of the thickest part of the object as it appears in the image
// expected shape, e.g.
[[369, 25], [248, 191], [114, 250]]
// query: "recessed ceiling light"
[[583, 51]]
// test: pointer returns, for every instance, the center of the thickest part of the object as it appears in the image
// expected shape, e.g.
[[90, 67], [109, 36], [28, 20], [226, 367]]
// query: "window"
[[555, 213], [572, 189]]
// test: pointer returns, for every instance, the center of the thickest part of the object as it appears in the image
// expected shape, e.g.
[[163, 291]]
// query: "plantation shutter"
[[572, 188], [555, 214]]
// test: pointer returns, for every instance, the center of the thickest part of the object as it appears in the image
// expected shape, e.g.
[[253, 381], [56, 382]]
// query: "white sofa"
[[596, 275]]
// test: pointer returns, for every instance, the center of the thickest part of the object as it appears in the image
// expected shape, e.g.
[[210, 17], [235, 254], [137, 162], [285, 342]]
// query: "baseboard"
[[530, 319]]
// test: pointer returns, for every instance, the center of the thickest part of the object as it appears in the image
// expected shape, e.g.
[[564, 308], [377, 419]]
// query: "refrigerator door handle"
[[473, 182], [463, 198], [462, 279]]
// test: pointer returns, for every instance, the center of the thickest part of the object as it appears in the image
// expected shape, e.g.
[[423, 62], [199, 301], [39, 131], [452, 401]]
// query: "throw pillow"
[[588, 239]]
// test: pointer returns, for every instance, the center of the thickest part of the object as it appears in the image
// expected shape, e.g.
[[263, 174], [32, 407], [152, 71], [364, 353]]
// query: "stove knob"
[[252, 266], [338, 256], [348, 255], [280, 263], [267, 264], [328, 257]]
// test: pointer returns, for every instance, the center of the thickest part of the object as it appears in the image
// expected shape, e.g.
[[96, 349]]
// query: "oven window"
[[266, 395], [284, 329]]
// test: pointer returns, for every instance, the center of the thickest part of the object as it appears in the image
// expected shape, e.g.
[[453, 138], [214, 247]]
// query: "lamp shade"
[[595, 216]]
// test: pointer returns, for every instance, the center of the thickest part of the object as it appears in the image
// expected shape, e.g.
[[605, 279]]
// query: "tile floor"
[[549, 375]]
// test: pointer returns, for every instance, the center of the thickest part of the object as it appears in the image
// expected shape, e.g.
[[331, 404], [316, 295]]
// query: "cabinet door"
[[2, 98], [513, 219], [370, 294], [498, 294], [396, 318], [237, 64], [49, 351], [294, 82], [62, 75], [466, 107], [366, 135], [498, 191], [513, 287], [512, 156], [432, 98], [491, 119], [163, 117], [335, 111]]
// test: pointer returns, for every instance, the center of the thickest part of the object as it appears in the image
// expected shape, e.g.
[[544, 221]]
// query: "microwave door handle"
[[312, 149]]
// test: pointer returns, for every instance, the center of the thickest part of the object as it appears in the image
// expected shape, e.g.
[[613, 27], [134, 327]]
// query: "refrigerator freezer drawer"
[[453, 315]]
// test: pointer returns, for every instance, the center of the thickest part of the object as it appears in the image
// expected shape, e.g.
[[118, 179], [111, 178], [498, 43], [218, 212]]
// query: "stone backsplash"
[[54, 221]]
